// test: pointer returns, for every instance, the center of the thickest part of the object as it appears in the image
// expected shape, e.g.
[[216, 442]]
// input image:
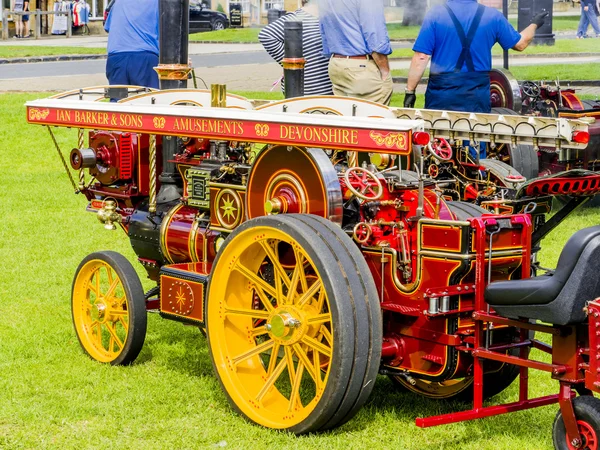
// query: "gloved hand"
[[409, 100], [540, 18]]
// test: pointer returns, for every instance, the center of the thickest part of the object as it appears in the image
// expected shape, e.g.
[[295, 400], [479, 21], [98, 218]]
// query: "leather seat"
[[558, 298]]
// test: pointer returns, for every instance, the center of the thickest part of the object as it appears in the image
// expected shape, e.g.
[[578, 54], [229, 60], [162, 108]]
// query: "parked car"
[[201, 18]]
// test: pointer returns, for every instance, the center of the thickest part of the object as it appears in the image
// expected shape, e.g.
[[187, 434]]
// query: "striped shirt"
[[316, 77]]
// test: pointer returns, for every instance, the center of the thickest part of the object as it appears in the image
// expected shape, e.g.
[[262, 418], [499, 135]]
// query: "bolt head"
[[268, 327]]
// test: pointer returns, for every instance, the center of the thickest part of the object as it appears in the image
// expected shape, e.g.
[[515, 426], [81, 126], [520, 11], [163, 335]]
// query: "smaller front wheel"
[[218, 25], [109, 309], [587, 413]]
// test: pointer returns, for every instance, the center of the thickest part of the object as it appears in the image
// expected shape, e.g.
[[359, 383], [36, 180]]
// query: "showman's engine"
[[319, 241]]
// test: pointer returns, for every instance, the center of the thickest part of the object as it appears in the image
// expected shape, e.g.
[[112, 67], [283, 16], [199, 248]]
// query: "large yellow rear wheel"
[[293, 323], [108, 307]]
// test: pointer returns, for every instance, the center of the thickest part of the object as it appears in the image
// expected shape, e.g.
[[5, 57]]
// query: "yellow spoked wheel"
[[293, 323], [108, 307]]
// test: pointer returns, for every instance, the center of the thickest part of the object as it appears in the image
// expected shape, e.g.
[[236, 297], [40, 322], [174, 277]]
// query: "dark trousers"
[[132, 68], [459, 91]]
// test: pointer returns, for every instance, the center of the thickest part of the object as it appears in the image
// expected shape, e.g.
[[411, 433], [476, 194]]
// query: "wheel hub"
[[285, 325], [99, 311]]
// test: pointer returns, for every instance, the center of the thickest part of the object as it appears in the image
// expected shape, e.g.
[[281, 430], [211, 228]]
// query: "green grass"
[[561, 46], [19, 51], [560, 24], [587, 71], [228, 35], [54, 397]]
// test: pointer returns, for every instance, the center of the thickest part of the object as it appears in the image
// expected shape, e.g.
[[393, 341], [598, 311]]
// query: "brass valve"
[[108, 215]]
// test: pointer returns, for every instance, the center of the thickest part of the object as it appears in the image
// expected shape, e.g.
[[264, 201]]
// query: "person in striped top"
[[316, 77]]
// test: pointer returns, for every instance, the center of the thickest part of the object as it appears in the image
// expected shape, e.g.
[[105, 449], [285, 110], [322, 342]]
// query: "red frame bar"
[[485, 317], [479, 413], [555, 369]]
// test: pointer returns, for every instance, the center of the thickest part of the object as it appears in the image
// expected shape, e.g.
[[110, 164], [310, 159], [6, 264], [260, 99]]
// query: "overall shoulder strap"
[[466, 40]]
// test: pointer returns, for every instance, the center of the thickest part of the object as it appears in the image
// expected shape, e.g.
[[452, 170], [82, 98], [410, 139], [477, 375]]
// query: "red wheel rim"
[[588, 436]]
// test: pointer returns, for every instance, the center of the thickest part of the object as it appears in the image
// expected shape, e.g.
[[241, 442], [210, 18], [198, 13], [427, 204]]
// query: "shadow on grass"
[[388, 399], [179, 347]]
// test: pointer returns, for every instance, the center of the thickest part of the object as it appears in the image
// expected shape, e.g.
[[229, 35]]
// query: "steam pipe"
[[505, 13], [174, 24], [293, 60], [173, 70]]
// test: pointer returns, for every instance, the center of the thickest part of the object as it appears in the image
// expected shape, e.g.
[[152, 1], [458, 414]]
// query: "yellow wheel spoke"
[[97, 276], [302, 273], [271, 380], [124, 323], [273, 360], [259, 331], [317, 366], [295, 395], [309, 293], [277, 267], [111, 289], [289, 357], [263, 298], [255, 279], [118, 312], [109, 275], [253, 351], [321, 300], [293, 290], [93, 289], [326, 334], [111, 344], [302, 356], [113, 333], [316, 346], [98, 334], [319, 319], [254, 313]]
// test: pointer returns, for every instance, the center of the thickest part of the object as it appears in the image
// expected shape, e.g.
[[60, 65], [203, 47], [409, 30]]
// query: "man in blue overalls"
[[458, 37]]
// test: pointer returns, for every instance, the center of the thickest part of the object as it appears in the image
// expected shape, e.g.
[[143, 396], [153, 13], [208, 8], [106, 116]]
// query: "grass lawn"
[[587, 71], [562, 46], [229, 35], [560, 23], [20, 51], [53, 396]]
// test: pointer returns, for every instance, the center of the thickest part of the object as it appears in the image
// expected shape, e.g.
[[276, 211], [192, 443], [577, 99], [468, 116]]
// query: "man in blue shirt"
[[458, 37], [356, 42], [132, 43]]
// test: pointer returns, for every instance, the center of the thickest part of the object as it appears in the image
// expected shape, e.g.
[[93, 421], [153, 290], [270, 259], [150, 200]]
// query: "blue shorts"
[[132, 68], [26, 18]]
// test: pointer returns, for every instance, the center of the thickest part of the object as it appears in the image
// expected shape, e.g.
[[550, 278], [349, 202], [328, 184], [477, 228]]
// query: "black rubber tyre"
[[368, 320], [522, 157], [465, 210], [587, 413], [351, 302], [590, 104], [217, 25], [99, 317], [500, 171], [462, 389]]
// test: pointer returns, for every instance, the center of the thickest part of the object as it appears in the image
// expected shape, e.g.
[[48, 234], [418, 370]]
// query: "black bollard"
[[527, 10], [293, 60]]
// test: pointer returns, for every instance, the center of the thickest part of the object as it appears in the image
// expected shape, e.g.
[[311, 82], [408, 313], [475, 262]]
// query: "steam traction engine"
[[315, 256]]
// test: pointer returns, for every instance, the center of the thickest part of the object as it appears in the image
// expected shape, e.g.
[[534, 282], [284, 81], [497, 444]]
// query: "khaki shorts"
[[360, 78]]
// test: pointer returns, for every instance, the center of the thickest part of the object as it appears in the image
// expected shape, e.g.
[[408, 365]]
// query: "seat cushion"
[[531, 291], [560, 298]]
